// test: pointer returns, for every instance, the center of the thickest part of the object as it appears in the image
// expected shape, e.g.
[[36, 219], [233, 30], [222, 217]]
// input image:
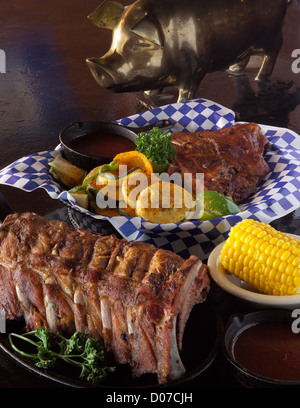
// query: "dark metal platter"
[[200, 346]]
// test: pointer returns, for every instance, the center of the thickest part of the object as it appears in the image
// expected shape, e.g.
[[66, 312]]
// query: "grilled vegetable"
[[216, 205], [116, 178], [164, 203], [132, 186], [81, 198], [134, 159], [86, 193], [263, 257], [126, 210], [106, 212], [93, 174], [65, 172], [157, 146], [106, 194]]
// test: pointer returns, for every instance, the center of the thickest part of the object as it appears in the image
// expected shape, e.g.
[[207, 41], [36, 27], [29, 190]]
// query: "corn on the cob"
[[263, 257]]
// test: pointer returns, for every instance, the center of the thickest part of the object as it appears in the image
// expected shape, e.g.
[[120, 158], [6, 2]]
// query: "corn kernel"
[[280, 252], [256, 231], [262, 233], [272, 274], [296, 250], [263, 258], [282, 268], [296, 261], [268, 249], [278, 277], [237, 245], [265, 274], [247, 260], [254, 241], [270, 260], [274, 250], [290, 269], [273, 241], [296, 272], [286, 245], [276, 263], [289, 280], [285, 256], [282, 277], [252, 263]]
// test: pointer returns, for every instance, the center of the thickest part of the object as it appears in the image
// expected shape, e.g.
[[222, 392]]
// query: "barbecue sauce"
[[104, 145], [270, 350]]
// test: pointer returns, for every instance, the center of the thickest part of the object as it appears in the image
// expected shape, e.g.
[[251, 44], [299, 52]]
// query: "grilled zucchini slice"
[[65, 172], [164, 203]]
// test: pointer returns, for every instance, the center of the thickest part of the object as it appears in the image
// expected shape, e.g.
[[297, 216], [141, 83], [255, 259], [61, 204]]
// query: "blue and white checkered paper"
[[278, 194]]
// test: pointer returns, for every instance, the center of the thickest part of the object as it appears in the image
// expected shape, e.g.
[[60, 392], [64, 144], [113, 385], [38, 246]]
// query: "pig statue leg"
[[239, 67], [152, 93], [185, 95], [188, 91], [269, 61], [152, 97]]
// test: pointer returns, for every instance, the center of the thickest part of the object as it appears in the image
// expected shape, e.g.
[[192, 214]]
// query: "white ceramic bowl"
[[241, 289]]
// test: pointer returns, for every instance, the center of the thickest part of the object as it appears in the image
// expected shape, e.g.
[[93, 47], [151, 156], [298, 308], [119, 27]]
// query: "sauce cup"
[[112, 133], [282, 350]]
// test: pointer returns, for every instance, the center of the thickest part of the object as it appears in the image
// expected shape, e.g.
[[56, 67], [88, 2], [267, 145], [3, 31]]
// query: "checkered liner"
[[278, 194]]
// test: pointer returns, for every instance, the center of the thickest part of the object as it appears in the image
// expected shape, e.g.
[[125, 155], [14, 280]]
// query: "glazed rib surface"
[[231, 159]]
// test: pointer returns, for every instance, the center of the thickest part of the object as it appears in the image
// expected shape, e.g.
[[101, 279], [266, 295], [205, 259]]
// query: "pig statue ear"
[[149, 29], [107, 15]]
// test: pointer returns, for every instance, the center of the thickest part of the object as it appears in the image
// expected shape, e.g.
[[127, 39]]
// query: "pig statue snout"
[[135, 56], [100, 73], [107, 70]]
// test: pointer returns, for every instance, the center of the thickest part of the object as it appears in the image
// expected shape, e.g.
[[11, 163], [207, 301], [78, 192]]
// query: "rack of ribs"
[[132, 296], [231, 159]]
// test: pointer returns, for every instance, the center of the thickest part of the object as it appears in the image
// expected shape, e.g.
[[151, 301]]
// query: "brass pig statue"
[[162, 43]]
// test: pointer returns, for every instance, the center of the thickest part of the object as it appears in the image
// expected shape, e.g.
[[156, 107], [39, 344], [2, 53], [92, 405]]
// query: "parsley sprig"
[[79, 350], [157, 147]]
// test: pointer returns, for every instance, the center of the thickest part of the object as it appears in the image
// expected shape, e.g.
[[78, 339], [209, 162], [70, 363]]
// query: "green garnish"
[[157, 147], [79, 350]]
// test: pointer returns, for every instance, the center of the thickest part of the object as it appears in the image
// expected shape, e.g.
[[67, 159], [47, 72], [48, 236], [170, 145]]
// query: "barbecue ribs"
[[231, 158], [130, 295]]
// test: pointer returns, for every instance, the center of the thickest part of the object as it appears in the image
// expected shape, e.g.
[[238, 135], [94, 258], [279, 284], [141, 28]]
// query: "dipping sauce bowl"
[[90, 144], [263, 349]]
